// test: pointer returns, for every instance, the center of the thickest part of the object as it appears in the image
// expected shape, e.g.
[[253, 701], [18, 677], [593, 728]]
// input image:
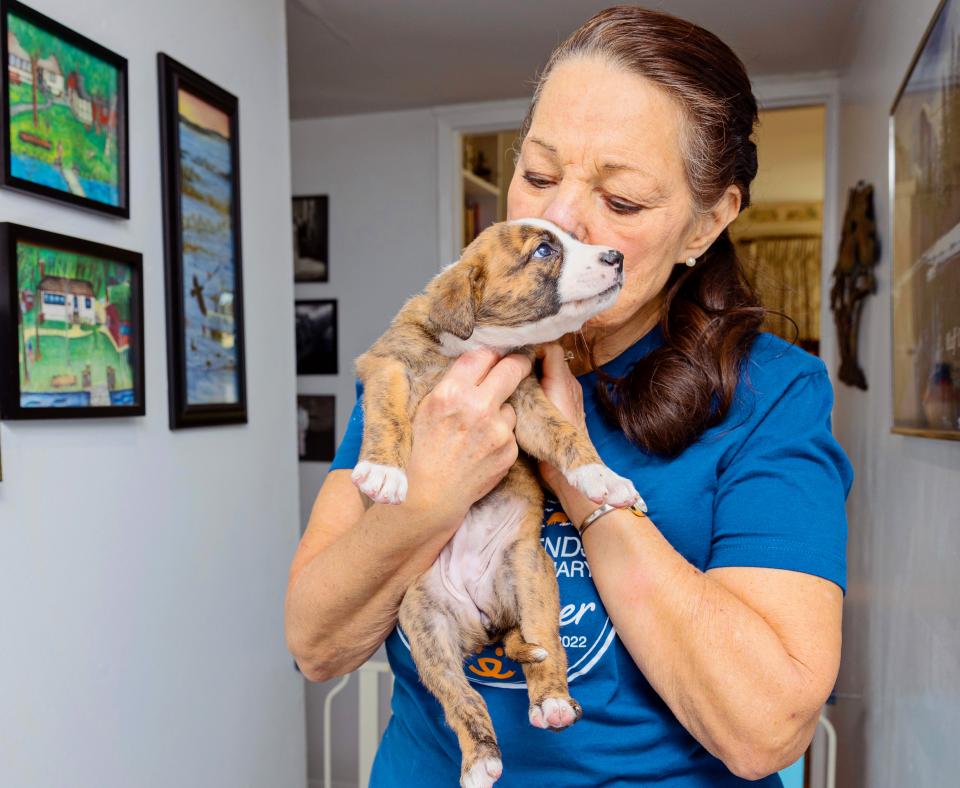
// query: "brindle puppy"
[[518, 284]]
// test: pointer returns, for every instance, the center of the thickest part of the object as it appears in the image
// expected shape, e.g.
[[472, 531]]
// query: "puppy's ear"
[[455, 296]]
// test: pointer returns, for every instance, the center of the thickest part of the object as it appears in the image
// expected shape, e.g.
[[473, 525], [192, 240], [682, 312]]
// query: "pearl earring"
[[691, 261]]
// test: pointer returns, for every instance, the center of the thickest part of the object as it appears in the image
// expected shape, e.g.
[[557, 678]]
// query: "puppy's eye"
[[543, 251]]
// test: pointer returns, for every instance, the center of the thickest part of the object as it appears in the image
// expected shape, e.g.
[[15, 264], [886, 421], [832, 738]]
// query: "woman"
[[703, 640]]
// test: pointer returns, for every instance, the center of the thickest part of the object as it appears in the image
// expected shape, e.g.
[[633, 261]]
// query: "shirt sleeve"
[[348, 452], [780, 500]]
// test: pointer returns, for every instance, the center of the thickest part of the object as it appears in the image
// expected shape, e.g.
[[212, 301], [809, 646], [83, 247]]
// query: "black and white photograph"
[[315, 425], [310, 244], [316, 337]]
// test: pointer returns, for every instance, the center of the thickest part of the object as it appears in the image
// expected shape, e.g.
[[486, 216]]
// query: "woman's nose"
[[564, 212]]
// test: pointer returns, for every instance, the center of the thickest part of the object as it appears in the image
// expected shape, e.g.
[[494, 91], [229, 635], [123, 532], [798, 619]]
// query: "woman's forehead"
[[598, 114]]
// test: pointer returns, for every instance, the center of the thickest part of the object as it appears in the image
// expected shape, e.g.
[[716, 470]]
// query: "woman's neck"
[[608, 343]]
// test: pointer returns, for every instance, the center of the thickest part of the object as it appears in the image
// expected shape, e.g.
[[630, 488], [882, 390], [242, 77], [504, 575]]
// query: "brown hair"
[[711, 313]]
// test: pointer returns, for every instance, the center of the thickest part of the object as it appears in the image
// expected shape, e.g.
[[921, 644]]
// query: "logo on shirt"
[[586, 631]]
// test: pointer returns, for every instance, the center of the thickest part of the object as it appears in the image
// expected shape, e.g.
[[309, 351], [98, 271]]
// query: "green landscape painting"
[[64, 113], [75, 329]]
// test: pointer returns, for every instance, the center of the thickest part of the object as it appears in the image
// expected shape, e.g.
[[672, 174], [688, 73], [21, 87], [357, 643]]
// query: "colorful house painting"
[[80, 104], [67, 300], [51, 76], [18, 62]]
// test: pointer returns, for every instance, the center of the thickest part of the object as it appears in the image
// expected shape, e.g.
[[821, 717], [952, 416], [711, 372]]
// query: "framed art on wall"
[[310, 239], [925, 205], [71, 327], [199, 127], [64, 125], [316, 337], [315, 425]]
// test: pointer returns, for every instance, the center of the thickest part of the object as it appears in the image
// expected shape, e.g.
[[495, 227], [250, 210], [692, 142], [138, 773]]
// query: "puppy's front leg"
[[544, 433], [387, 431]]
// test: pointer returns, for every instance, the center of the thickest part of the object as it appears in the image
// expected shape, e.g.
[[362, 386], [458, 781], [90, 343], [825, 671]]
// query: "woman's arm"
[[744, 657], [353, 567], [350, 573]]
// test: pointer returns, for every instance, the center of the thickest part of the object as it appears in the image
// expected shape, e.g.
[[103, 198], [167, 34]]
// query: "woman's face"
[[602, 160]]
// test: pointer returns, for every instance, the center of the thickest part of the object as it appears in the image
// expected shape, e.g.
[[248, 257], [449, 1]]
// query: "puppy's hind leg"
[[438, 651]]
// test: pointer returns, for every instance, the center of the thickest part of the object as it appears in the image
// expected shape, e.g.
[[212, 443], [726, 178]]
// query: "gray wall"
[[901, 637], [142, 572], [380, 171]]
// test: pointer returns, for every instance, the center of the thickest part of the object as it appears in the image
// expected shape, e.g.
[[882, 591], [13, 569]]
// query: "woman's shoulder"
[[780, 377]]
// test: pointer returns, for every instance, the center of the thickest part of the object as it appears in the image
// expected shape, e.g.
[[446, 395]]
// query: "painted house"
[[51, 76], [18, 61], [80, 104], [67, 300]]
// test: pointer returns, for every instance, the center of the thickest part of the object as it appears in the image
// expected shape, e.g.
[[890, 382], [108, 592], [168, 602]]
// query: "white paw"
[[539, 654], [380, 483], [555, 713], [483, 774], [601, 485]]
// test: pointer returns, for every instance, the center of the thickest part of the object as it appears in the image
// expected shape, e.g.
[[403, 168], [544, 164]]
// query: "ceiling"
[[352, 56]]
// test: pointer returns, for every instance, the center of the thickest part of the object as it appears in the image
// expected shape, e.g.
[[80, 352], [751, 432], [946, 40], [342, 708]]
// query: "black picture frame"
[[128, 334], [311, 238], [316, 424], [174, 77], [82, 102], [317, 336]]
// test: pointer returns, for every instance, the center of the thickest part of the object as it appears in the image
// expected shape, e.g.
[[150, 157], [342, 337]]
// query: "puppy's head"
[[521, 283]]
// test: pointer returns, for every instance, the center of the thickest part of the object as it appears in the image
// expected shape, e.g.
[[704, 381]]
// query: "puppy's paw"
[[555, 714], [483, 774], [601, 485], [380, 483]]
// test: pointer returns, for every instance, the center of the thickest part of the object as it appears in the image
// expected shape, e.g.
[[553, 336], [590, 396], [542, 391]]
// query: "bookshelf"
[[486, 171]]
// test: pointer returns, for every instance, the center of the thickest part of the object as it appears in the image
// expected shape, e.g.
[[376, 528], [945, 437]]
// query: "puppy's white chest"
[[467, 566]]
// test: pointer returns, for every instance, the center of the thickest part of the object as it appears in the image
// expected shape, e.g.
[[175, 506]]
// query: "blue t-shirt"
[[764, 488]]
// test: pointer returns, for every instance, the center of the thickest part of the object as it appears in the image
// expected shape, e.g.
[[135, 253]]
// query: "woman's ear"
[[709, 225], [452, 303]]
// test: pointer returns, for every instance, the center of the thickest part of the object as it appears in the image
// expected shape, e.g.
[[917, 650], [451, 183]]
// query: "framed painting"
[[315, 425], [64, 114], [71, 327], [311, 257], [316, 331], [925, 206], [199, 126]]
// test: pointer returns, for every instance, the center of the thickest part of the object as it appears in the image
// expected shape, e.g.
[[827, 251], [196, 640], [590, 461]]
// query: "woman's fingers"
[[503, 379], [509, 415]]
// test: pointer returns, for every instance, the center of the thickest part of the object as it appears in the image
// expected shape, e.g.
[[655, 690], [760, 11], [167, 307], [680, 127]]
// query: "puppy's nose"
[[612, 257]]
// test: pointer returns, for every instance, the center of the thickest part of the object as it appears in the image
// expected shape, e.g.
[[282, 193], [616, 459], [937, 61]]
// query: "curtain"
[[785, 270]]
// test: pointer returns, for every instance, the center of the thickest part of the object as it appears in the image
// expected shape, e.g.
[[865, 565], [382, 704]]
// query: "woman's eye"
[[536, 181], [543, 251], [621, 207]]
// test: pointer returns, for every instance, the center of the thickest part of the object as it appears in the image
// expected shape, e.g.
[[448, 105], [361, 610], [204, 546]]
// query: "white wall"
[[143, 635], [380, 171], [900, 675]]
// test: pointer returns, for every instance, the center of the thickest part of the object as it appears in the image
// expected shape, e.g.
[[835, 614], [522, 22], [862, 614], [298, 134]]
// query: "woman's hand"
[[566, 393], [463, 441]]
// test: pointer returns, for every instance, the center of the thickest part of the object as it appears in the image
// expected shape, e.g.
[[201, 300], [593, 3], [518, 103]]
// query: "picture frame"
[[311, 244], [65, 114], [316, 423], [925, 223], [316, 331], [71, 327], [200, 154]]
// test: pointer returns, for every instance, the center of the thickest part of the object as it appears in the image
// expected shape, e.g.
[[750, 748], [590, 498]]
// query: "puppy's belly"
[[466, 569]]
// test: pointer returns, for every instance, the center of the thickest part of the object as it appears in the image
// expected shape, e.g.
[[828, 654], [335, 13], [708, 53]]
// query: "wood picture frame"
[[64, 119], [71, 327], [200, 151]]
